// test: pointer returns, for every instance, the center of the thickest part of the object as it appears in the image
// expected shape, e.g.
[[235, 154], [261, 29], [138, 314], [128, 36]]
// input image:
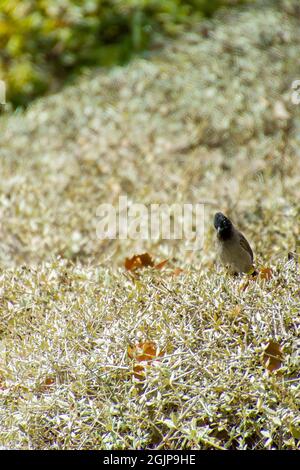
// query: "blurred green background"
[[46, 44]]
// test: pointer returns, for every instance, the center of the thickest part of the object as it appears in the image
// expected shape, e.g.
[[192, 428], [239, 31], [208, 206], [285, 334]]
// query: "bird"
[[233, 248]]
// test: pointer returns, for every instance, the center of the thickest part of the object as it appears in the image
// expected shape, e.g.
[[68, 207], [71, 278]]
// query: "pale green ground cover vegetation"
[[207, 119]]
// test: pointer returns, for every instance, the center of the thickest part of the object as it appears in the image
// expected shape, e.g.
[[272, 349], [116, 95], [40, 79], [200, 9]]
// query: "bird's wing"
[[244, 244]]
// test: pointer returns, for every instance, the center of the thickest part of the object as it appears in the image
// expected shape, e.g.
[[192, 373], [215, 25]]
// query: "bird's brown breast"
[[235, 254]]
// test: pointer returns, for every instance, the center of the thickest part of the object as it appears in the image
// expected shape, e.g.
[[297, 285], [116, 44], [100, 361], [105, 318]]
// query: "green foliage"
[[44, 43]]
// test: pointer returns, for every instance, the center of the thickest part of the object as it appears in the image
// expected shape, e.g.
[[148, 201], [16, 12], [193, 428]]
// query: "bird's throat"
[[225, 234]]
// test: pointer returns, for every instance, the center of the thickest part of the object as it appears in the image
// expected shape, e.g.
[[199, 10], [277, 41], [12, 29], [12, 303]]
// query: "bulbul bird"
[[234, 250]]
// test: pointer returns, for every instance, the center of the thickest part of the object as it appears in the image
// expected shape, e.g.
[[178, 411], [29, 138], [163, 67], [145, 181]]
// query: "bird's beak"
[[218, 229]]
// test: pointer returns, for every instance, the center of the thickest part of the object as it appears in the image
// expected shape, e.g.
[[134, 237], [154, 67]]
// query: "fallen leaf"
[[272, 357], [161, 264], [47, 383], [138, 261], [143, 352], [139, 371], [265, 273]]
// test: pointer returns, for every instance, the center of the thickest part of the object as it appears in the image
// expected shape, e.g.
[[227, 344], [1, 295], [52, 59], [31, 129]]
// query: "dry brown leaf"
[[143, 352], [161, 264], [265, 273], [272, 357], [47, 383], [145, 260], [139, 371], [138, 261]]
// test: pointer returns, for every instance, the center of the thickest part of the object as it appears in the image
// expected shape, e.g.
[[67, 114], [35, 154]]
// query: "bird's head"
[[223, 226]]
